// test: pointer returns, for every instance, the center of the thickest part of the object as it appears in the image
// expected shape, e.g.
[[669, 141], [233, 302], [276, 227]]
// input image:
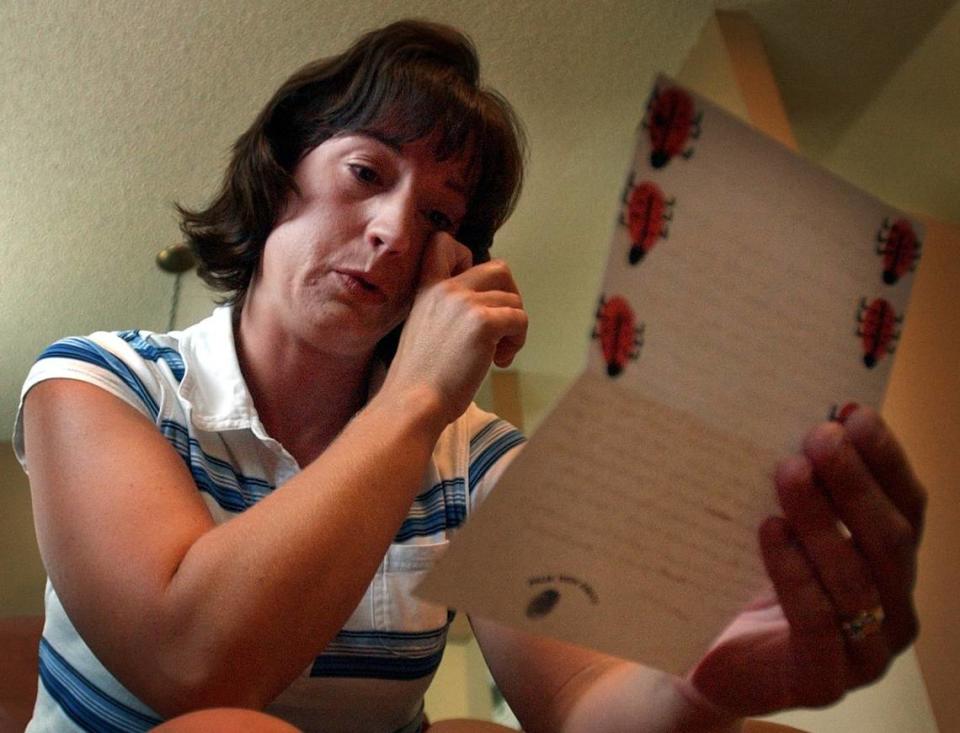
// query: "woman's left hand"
[[842, 561]]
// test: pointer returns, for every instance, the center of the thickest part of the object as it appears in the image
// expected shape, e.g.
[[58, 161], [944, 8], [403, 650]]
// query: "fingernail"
[[825, 440], [793, 469]]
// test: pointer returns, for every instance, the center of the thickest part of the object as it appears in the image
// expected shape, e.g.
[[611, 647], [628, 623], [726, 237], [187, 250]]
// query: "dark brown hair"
[[399, 83]]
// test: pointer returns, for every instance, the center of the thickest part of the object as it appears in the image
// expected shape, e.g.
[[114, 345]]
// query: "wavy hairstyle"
[[399, 83]]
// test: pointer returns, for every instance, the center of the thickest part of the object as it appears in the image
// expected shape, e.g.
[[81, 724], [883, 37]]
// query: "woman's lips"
[[360, 286]]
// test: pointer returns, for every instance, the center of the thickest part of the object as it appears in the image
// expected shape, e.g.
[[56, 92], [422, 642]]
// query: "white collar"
[[213, 383]]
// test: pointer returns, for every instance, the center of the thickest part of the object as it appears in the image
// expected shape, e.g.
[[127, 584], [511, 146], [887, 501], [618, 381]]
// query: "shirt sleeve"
[[494, 443], [102, 359]]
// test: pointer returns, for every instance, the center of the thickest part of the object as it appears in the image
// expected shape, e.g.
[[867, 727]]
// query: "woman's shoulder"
[[141, 368]]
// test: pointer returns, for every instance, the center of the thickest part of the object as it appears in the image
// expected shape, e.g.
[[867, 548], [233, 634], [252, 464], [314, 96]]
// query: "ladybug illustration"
[[647, 211], [670, 121], [840, 414], [898, 244], [878, 329], [618, 333]]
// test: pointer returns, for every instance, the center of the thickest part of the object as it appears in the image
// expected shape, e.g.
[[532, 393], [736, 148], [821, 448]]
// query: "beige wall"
[[462, 686], [21, 572], [923, 405]]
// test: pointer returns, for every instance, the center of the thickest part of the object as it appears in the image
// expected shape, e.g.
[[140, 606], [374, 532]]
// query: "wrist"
[[421, 408], [629, 697]]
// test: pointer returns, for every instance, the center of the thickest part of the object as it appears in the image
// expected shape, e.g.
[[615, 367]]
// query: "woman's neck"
[[304, 396]]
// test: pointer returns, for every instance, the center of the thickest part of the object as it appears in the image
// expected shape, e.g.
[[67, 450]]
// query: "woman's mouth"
[[358, 284]]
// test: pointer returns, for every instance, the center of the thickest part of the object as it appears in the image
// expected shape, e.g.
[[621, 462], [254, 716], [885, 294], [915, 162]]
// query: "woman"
[[234, 515]]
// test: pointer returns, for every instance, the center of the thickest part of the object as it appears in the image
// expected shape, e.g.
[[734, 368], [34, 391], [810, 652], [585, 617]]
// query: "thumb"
[[443, 257]]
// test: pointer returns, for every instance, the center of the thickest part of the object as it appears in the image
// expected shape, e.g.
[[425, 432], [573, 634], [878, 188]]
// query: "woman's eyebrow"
[[382, 139], [457, 186]]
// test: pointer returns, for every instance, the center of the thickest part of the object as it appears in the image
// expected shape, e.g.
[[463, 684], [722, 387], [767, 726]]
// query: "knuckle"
[[871, 421], [834, 689], [871, 668], [865, 426], [824, 688], [458, 295], [918, 504], [901, 538], [476, 316], [915, 510], [446, 287], [818, 622], [824, 628], [859, 587], [884, 443], [911, 629], [499, 268], [905, 634]]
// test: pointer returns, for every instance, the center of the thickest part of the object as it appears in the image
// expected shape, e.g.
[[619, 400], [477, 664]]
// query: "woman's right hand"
[[463, 318]]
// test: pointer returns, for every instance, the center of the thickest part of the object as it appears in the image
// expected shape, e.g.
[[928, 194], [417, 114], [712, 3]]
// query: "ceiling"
[[113, 110]]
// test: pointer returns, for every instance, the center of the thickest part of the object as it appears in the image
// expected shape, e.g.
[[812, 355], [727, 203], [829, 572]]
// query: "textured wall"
[[113, 110]]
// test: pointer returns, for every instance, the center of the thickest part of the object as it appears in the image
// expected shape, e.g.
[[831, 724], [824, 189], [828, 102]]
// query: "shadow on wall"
[[22, 575], [845, 76]]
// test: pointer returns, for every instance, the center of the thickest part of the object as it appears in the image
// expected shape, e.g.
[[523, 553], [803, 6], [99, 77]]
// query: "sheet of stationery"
[[748, 295]]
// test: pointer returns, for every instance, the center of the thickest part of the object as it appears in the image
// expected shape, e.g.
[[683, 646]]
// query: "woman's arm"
[[556, 687], [189, 614]]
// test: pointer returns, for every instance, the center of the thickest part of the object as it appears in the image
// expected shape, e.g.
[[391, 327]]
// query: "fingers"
[[507, 319], [819, 657], [843, 571], [498, 299], [825, 572], [498, 318], [513, 341], [492, 286], [859, 499], [835, 564], [885, 458], [880, 532], [443, 257], [480, 302], [492, 275]]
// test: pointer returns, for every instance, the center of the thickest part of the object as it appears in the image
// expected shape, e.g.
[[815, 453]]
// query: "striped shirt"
[[373, 675]]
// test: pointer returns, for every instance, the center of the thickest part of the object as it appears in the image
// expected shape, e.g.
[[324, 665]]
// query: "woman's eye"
[[364, 173], [441, 221]]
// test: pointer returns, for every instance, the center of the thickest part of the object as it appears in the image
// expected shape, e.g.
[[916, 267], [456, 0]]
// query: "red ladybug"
[[647, 212], [618, 333], [878, 329], [898, 244], [670, 122]]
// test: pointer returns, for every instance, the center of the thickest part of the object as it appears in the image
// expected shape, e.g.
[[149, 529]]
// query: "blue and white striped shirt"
[[372, 676]]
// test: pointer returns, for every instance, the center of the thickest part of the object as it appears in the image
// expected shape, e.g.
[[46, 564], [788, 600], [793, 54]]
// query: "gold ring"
[[863, 624]]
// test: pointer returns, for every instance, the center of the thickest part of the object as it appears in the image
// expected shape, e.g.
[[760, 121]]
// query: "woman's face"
[[341, 267]]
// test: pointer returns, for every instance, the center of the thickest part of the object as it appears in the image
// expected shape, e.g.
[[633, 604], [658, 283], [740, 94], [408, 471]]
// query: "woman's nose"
[[393, 224]]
